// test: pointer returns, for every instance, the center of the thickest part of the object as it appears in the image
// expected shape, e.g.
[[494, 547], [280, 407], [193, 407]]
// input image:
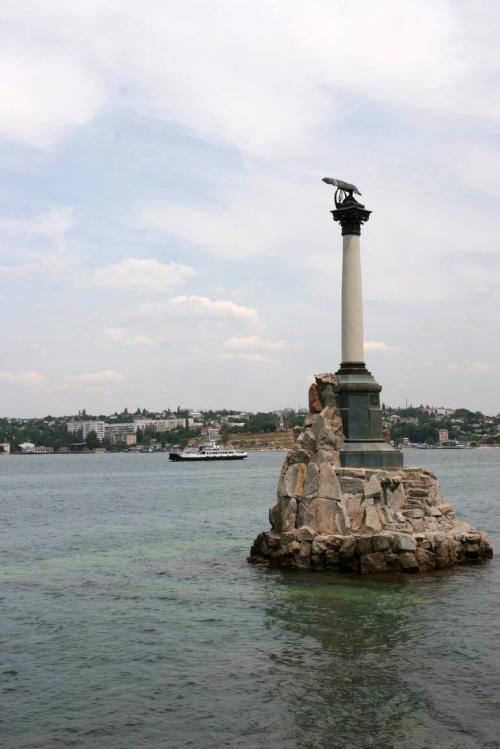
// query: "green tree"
[[92, 440]]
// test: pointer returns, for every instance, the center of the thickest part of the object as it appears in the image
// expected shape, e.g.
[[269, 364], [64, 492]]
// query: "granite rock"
[[358, 520]]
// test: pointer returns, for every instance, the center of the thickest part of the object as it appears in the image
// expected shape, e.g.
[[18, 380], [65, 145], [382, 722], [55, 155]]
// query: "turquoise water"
[[130, 618]]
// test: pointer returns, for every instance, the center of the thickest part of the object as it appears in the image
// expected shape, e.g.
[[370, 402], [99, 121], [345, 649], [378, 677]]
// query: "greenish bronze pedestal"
[[358, 398]]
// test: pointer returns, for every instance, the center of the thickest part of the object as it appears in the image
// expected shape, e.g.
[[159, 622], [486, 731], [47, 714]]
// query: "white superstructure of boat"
[[209, 450]]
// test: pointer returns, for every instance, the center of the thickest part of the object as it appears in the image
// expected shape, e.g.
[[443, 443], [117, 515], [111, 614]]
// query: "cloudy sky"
[[165, 236]]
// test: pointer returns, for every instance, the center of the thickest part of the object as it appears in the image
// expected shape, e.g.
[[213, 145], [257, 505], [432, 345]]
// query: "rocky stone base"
[[304, 549], [360, 520]]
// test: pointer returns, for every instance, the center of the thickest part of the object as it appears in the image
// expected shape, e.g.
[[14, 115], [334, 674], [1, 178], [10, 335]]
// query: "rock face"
[[360, 520]]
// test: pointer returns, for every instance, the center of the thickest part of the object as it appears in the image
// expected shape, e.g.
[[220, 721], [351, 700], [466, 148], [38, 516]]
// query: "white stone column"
[[352, 301]]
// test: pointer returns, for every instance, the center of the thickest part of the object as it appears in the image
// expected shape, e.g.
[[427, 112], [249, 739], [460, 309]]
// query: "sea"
[[130, 617]]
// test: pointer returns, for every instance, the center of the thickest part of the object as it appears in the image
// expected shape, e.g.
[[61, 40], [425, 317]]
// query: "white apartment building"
[[162, 425], [120, 433], [86, 427]]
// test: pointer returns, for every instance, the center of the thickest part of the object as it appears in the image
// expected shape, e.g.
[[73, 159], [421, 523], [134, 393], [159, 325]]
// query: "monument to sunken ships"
[[344, 499]]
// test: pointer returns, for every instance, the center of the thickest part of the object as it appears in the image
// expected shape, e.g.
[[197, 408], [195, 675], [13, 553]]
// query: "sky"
[[165, 236]]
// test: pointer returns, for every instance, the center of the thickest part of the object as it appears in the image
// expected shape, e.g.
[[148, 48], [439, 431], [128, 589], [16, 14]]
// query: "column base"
[[358, 398], [370, 455]]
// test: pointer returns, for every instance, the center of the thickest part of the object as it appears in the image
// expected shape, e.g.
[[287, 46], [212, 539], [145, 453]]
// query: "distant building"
[[281, 426], [4, 448], [162, 425], [27, 447], [119, 432], [85, 427], [443, 436], [211, 433]]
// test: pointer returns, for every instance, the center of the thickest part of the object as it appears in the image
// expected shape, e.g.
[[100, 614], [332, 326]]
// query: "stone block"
[[310, 488], [425, 559], [404, 542], [298, 436], [371, 564], [392, 561], [417, 524], [275, 517], [319, 544], [298, 455], [327, 437], [372, 518], [289, 481], [372, 488], [305, 548], [380, 543], [388, 515], [446, 509], [329, 485], [348, 547], [327, 456], [342, 518], [309, 440], [364, 545], [332, 558], [273, 540], [408, 561], [305, 533], [301, 562], [315, 405], [327, 395], [288, 513], [396, 497], [326, 378], [354, 510], [416, 491], [351, 484], [320, 514], [334, 541], [413, 512]]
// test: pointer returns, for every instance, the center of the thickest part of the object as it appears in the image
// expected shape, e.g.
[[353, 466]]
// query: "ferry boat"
[[209, 450]]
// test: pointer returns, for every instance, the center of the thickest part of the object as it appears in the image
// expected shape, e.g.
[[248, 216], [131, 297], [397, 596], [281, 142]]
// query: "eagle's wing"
[[341, 184]]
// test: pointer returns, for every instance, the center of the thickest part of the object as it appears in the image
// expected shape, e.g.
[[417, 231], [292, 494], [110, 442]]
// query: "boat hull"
[[178, 458]]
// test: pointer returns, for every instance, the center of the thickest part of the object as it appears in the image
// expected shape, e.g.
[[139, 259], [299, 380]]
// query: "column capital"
[[351, 215]]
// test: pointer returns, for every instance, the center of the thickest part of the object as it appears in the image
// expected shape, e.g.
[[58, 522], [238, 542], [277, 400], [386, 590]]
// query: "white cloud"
[[125, 338], [201, 307], [279, 76], [481, 365], [257, 358], [105, 377], [10, 272], [376, 346], [254, 342], [44, 92], [141, 276], [55, 223], [22, 378], [37, 245]]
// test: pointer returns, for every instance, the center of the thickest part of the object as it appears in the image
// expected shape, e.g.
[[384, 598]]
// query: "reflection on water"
[[130, 617]]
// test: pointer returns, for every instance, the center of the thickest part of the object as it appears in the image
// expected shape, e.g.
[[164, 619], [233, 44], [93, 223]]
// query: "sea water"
[[129, 616]]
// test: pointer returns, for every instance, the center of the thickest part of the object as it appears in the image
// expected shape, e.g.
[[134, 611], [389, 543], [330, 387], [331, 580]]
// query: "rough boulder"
[[361, 520]]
